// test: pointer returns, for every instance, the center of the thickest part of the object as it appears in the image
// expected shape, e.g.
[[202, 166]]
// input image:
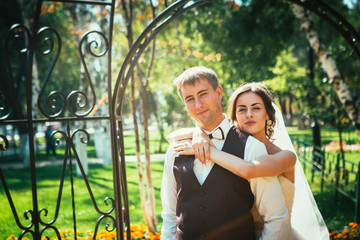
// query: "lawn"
[[100, 179]]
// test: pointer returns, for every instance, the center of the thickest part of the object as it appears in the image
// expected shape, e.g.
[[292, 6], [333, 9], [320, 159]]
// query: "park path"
[[154, 158]]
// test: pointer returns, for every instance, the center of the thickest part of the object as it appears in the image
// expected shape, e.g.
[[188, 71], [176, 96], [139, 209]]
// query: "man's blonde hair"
[[194, 74]]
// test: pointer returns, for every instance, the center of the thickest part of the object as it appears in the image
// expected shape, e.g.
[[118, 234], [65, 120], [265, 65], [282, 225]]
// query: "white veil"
[[306, 218]]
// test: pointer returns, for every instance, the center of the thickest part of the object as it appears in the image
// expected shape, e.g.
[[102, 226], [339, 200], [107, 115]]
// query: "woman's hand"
[[201, 145], [184, 147]]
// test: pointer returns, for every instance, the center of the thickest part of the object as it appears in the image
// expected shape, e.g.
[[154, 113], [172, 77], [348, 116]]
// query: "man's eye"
[[189, 100]]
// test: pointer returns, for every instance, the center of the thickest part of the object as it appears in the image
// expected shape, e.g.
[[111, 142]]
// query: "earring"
[[268, 127]]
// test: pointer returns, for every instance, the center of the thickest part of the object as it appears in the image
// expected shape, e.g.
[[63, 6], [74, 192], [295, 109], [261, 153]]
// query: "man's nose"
[[198, 103]]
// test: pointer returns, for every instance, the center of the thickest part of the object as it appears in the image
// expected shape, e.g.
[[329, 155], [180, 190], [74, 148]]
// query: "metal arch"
[[161, 21], [120, 204], [337, 21]]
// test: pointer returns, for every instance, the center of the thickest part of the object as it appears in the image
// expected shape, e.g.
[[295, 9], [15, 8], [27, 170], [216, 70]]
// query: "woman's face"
[[251, 114]]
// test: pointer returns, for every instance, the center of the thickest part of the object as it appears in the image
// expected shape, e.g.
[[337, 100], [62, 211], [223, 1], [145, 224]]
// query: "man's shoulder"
[[236, 133]]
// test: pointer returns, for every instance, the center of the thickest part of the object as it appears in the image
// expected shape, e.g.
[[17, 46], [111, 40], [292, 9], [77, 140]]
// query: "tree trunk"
[[150, 187], [329, 66], [148, 206], [158, 119]]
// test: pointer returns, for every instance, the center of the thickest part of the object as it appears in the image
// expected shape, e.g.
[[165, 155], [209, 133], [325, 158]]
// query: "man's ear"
[[219, 92]]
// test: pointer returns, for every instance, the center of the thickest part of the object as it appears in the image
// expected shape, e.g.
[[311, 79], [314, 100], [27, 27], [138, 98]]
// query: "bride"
[[251, 109]]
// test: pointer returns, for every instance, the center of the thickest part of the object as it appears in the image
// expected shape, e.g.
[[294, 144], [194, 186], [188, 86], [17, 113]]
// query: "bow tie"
[[217, 134]]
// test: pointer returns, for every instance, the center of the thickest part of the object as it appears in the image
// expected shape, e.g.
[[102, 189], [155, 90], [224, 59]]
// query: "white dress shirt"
[[268, 196]]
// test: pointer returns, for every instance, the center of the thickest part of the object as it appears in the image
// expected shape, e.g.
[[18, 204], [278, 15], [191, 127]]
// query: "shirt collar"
[[225, 126]]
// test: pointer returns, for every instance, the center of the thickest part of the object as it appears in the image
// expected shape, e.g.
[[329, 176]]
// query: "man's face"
[[203, 103]]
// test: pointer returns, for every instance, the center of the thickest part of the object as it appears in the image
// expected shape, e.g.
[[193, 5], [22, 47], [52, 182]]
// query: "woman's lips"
[[250, 123]]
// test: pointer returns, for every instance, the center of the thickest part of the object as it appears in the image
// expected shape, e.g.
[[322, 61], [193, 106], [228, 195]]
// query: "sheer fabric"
[[306, 218]]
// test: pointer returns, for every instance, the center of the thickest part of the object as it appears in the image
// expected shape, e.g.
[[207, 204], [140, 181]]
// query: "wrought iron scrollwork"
[[4, 143], [28, 214], [167, 16], [85, 140], [45, 46], [18, 39], [96, 47], [53, 228]]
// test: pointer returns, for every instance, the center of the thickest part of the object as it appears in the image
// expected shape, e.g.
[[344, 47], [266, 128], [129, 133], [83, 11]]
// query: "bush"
[[138, 232], [351, 231]]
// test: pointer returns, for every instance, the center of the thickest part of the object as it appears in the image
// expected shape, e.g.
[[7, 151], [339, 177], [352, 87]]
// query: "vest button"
[[202, 208], [202, 222], [202, 236], [202, 194]]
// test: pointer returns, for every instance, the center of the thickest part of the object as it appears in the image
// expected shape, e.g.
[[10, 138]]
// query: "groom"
[[207, 201]]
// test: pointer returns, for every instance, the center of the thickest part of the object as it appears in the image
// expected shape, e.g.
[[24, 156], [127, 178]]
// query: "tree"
[[329, 65]]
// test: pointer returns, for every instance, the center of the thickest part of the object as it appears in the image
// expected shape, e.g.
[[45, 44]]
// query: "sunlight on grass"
[[100, 180]]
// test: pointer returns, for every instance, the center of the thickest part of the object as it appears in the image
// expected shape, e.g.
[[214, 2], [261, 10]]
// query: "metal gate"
[[60, 108]]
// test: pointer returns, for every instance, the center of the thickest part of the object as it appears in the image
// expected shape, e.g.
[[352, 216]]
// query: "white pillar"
[[82, 153]]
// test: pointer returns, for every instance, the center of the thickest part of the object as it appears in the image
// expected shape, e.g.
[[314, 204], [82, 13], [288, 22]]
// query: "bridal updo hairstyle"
[[262, 91]]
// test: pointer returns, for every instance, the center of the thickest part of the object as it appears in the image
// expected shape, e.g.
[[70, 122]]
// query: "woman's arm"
[[180, 134], [266, 166]]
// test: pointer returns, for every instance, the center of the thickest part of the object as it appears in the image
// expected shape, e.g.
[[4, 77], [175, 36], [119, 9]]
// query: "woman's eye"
[[241, 110], [257, 108]]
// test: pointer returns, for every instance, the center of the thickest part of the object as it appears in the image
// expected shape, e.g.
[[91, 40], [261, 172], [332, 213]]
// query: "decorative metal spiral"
[[26, 216], [50, 227], [93, 46], [4, 143], [85, 140], [18, 40], [96, 47], [48, 224], [81, 100], [21, 38], [43, 40], [44, 46], [4, 106], [107, 225], [82, 139], [52, 102]]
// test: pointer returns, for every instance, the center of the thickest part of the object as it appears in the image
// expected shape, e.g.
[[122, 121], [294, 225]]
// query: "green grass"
[[336, 215], [327, 135], [100, 179]]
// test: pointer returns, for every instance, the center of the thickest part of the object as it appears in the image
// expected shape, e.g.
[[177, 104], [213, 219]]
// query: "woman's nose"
[[249, 113]]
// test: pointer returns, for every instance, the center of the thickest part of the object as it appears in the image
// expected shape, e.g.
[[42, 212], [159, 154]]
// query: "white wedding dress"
[[288, 190], [306, 220]]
